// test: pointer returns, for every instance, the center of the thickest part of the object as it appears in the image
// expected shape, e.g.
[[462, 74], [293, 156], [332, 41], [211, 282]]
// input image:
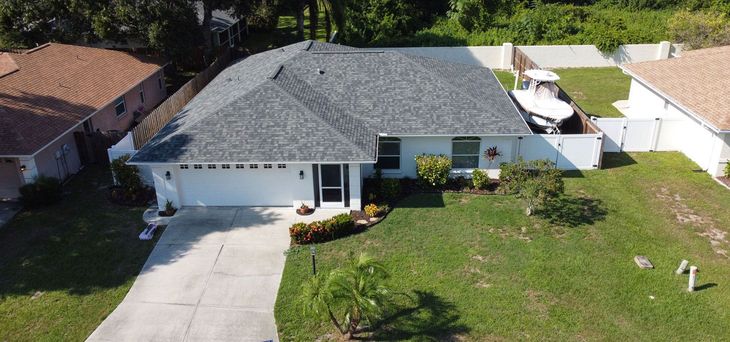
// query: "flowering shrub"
[[433, 169], [727, 170], [371, 209], [322, 231], [480, 179]]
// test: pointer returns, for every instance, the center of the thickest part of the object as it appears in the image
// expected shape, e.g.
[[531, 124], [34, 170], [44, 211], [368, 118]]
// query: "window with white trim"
[[388, 154], [281, 166], [120, 107], [197, 166], [141, 93], [253, 166], [184, 166], [211, 166], [267, 166], [465, 152], [225, 166], [239, 166]]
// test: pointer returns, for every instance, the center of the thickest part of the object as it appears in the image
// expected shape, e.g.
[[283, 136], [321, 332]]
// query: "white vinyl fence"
[[568, 152], [640, 134]]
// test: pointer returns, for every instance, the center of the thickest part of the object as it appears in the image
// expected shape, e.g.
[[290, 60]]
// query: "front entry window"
[[465, 152], [388, 154]]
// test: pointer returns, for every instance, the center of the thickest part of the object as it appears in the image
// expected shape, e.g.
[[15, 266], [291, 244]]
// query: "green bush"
[[433, 169], [322, 231], [127, 176], [43, 191], [390, 188], [727, 170], [480, 179], [536, 181]]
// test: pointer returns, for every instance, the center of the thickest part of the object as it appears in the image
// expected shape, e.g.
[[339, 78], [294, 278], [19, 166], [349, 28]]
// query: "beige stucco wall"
[[106, 119]]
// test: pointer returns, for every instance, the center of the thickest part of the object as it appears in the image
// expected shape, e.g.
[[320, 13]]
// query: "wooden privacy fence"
[[159, 117]]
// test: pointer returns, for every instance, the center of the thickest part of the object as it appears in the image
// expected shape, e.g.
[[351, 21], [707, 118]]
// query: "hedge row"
[[322, 231]]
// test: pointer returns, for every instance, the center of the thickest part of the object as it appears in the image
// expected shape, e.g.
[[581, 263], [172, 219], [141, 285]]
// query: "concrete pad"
[[196, 226], [226, 324], [250, 292], [249, 260], [136, 322]]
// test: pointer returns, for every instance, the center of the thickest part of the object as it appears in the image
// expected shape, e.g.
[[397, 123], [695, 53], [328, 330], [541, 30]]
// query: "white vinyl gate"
[[640, 134], [568, 152]]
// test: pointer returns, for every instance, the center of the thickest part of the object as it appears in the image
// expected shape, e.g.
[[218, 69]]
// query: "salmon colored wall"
[[107, 120], [48, 165]]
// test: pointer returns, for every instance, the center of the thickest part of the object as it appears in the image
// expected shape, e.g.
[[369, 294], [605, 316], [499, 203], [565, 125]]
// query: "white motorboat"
[[540, 101]]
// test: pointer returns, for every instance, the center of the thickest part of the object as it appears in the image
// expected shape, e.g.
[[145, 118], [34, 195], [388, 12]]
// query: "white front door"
[[331, 191]]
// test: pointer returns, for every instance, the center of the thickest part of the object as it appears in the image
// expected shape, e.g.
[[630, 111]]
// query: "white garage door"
[[233, 187]]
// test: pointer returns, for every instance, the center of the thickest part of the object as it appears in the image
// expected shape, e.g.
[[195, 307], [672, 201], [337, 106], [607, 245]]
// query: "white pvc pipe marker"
[[692, 278], [682, 267]]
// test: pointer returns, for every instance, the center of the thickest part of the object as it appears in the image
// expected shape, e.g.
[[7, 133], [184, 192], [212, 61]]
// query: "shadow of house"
[[422, 316]]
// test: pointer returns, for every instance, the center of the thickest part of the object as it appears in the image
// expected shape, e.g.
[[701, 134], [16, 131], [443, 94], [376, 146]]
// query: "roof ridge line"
[[358, 122]]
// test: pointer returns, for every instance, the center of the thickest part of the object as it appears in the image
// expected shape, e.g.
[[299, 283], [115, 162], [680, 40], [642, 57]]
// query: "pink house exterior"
[[55, 95]]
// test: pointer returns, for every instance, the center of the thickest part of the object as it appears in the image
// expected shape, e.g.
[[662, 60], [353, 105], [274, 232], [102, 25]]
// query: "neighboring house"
[[55, 95], [307, 122], [691, 93], [225, 28]]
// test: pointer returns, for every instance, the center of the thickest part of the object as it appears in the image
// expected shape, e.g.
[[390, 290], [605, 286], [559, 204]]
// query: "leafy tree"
[[348, 296], [380, 22], [536, 181], [700, 29]]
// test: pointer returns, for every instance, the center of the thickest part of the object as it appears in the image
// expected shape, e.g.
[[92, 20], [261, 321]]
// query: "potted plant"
[[169, 208], [304, 210]]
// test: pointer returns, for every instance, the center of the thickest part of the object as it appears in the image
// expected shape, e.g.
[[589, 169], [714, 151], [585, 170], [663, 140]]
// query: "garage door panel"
[[234, 187], [9, 180]]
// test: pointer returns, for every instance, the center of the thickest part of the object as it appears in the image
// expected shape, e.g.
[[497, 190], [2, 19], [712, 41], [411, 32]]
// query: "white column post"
[[665, 48], [507, 52]]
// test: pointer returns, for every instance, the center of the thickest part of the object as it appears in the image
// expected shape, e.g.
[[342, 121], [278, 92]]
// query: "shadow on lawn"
[[573, 211], [423, 316], [615, 160]]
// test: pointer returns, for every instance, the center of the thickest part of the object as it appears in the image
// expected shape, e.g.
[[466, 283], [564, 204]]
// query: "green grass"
[[81, 255], [473, 267], [285, 33], [594, 89]]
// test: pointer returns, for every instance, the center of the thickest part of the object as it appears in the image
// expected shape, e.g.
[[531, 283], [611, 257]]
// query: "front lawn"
[[64, 268], [471, 267]]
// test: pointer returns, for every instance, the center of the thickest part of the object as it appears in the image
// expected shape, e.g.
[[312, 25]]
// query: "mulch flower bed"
[[118, 196]]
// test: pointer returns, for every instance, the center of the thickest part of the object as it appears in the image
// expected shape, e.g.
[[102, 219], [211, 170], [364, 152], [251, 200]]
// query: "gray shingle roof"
[[319, 102]]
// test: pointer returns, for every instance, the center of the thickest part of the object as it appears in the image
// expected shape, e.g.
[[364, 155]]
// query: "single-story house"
[[225, 27], [54, 95], [690, 91], [307, 122]]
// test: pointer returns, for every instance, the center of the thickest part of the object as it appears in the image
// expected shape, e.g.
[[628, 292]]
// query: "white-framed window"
[[160, 80], [465, 152], [388, 154], [120, 107], [141, 93], [267, 166], [184, 166], [211, 166], [197, 166], [253, 166], [281, 166], [240, 166], [225, 166]]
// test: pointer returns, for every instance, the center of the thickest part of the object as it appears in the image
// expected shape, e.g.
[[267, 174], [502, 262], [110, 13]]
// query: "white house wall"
[[166, 190], [414, 146]]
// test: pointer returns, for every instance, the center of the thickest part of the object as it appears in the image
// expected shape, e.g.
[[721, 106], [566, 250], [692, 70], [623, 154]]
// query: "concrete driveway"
[[213, 276]]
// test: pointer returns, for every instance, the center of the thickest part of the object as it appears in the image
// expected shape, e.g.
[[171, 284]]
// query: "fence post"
[[665, 48], [507, 51]]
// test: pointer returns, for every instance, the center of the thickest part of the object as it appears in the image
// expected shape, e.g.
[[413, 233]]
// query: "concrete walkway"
[[213, 276]]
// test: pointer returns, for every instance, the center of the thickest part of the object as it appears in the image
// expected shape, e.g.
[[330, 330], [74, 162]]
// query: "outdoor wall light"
[[22, 168], [301, 174], [168, 176]]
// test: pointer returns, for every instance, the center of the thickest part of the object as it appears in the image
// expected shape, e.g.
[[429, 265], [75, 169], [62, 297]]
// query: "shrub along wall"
[[322, 231]]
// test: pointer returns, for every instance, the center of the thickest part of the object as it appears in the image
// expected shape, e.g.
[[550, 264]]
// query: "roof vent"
[[320, 71]]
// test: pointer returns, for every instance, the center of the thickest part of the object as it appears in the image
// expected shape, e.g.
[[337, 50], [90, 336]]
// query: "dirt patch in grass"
[[704, 226]]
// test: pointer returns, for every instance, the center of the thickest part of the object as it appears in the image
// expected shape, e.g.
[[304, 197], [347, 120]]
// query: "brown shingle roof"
[[698, 80], [57, 86]]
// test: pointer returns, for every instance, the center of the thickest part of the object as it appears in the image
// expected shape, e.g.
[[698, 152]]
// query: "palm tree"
[[356, 290], [334, 10]]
